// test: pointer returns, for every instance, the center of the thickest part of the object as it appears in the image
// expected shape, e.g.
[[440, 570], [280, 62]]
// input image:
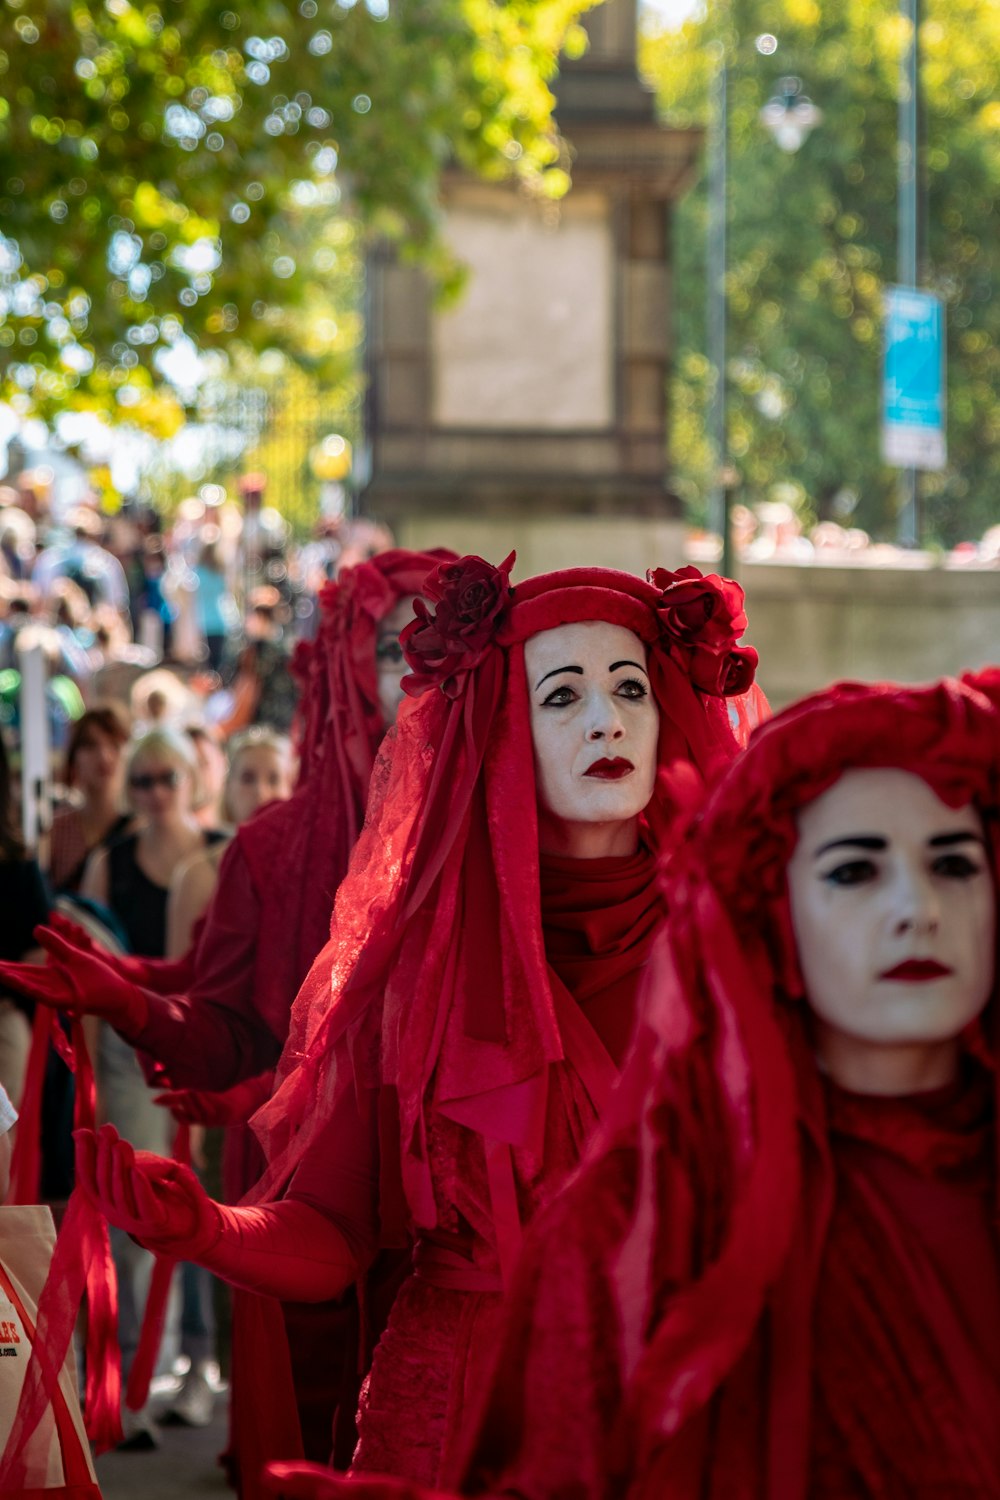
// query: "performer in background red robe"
[[484, 956], [777, 1276], [217, 1019]]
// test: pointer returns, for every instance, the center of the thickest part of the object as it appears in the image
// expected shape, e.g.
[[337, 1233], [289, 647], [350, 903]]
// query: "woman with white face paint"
[[484, 956], [778, 1274]]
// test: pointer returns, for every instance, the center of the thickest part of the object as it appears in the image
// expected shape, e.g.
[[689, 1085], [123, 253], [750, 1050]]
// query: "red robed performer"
[[268, 918], [456, 1041], [777, 1275]]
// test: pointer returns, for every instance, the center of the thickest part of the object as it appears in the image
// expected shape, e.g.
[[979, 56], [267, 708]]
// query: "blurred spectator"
[[83, 559], [71, 616], [160, 698], [17, 538], [211, 760], [118, 661], [153, 613], [218, 616], [95, 774], [20, 605], [24, 903], [260, 770], [263, 688], [64, 701]]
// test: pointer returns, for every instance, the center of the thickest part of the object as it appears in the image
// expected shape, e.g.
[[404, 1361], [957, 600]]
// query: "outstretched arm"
[[286, 1250], [211, 1035]]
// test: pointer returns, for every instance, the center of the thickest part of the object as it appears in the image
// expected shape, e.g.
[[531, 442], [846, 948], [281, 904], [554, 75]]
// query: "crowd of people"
[[606, 1070]]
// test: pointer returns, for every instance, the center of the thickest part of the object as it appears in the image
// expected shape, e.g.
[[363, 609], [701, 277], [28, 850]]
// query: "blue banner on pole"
[[913, 380]]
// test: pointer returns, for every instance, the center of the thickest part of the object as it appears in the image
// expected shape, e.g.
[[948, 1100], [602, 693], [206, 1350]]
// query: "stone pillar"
[[533, 412]]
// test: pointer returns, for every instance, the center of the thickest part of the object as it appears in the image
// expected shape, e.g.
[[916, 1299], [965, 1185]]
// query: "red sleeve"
[[339, 1174], [212, 1036], [165, 975]]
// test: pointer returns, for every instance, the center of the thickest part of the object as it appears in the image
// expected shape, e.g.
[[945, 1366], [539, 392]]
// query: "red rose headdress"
[[472, 598], [703, 620]]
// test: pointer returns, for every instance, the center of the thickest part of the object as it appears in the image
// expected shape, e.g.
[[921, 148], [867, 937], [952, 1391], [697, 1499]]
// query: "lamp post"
[[789, 116], [907, 229]]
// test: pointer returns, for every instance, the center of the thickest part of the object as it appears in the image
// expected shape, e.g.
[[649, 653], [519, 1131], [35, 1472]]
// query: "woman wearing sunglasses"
[[132, 877]]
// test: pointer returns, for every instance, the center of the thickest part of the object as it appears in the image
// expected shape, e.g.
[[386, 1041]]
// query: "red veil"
[[658, 1332], [297, 851], [434, 988]]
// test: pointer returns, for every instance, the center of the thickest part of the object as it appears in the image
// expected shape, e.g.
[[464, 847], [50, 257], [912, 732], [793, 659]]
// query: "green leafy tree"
[[167, 168], [813, 244]]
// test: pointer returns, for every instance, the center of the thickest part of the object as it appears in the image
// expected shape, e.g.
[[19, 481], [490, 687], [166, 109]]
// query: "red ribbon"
[[155, 1312], [81, 1264]]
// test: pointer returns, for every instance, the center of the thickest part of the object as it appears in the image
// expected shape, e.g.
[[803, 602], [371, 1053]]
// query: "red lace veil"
[[440, 911], [696, 1212], [298, 851]]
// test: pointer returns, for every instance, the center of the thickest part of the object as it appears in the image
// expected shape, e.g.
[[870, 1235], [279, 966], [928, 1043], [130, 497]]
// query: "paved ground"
[[184, 1467]]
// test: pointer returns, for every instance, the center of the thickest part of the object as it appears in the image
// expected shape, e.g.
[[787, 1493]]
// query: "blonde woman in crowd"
[[260, 770]]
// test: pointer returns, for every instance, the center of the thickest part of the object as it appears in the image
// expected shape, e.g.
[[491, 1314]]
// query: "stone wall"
[[814, 624]]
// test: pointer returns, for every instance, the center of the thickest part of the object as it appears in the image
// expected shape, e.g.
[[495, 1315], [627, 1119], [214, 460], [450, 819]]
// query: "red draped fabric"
[[760, 1287]]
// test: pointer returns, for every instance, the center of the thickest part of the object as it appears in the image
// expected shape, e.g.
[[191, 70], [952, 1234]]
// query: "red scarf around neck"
[[907, 1323], [598, 919]]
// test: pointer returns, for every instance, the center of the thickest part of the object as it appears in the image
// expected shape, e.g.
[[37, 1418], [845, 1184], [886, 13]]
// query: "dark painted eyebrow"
[[855, 841], [947, 840], [613, 668], [875, 842], [555, 673]]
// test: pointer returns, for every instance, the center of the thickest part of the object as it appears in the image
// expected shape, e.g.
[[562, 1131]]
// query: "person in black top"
[[131, 877], [95, 770], [24, 902]]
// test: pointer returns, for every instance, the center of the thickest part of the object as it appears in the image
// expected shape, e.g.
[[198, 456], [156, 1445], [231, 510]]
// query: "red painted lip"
[[610, 770], [917, 971]]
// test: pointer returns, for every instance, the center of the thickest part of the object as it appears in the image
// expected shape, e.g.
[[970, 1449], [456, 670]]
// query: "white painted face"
[[894, 911], [594, 723], [390, 665]]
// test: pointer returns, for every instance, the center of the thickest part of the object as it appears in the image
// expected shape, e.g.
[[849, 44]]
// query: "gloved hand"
[[229, 1107], [81, 984], [128, 965], [285, 1250], [158, 1202], [304, 1481]]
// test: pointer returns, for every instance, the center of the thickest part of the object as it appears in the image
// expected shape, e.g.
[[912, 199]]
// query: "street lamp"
[[789, 117]]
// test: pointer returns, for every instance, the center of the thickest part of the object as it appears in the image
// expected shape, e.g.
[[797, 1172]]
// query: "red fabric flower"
[[702, 618], [471, 598]]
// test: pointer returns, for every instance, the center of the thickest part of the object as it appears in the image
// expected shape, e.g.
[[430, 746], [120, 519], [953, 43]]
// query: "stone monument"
[[533, 412]]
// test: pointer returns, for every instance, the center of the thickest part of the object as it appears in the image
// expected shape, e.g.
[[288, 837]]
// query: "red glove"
[[128, 965], [80, 984], [229, 1107], [302, 1481], [285, 1250]]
